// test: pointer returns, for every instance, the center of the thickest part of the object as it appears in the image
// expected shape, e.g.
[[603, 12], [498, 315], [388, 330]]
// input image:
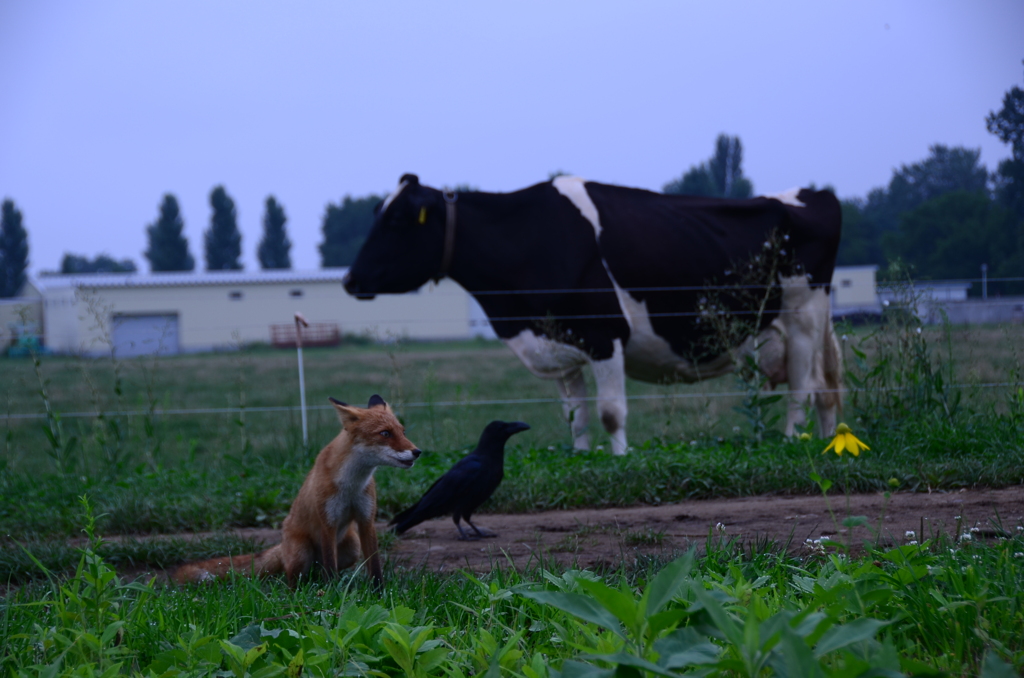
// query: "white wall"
[[78, 315], [854, 286]]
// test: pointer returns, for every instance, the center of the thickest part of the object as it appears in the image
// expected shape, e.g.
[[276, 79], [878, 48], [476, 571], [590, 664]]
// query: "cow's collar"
[[449, 233]]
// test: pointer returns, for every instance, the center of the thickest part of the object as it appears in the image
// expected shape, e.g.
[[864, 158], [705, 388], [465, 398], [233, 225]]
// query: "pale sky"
[[106, 106]]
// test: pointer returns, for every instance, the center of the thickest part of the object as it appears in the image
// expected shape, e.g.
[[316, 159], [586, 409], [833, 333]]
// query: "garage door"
[[145, 335]]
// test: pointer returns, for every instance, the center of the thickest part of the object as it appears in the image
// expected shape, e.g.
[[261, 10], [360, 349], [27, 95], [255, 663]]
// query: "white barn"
[[136, 313], [854, 290]]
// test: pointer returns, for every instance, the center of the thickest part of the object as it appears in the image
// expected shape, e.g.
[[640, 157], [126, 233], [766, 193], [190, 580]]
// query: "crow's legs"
[[481, 531], [478, 532]]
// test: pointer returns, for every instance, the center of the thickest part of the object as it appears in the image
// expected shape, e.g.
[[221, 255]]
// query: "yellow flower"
[[805, 436], [845, 440]]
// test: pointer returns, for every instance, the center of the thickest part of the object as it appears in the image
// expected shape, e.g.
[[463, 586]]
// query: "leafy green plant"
[[90, 612], [714, 631], [62, 446]]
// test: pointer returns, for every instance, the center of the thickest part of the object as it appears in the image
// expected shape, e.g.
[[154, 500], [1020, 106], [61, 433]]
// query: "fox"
[[332, 518]]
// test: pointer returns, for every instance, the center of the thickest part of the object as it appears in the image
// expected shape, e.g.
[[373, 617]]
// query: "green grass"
[[943, 607], [172, 473], [432, 386], [258, 492], [947, 606]]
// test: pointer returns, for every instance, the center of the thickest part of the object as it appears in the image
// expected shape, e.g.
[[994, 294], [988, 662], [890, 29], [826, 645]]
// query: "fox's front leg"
[[368, 545], [329, 549]]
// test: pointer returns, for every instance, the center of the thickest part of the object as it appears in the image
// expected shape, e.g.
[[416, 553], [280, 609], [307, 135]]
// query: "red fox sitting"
[[332, 518]]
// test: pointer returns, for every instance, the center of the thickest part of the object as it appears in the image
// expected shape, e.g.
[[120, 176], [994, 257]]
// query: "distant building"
[[927, 292], [854, 291], [169, 313]]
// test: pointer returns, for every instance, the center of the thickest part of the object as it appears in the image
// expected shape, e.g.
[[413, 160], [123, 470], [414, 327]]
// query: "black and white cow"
[[573, 272]]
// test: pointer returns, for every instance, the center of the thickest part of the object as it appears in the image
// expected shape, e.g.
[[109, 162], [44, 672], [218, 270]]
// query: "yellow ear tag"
[[423, 215]]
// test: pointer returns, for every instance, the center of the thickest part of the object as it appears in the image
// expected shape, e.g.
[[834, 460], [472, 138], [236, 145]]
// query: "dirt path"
[[600, 537]]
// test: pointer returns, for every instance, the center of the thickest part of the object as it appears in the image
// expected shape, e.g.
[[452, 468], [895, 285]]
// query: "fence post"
[[301, 322]]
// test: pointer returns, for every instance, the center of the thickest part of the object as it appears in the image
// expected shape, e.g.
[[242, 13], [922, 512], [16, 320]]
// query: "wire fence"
[[460, 403]]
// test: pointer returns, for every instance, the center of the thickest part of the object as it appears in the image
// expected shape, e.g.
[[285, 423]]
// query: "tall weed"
[[896, 375]]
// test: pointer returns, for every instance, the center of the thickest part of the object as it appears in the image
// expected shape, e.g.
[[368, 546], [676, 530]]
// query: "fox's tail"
[[266, 562]]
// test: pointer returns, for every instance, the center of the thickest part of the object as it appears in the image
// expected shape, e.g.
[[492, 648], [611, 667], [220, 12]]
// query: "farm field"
[[186, 457]]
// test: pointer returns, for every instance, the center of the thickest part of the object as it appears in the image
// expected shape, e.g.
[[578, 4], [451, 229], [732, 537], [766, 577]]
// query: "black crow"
[[466, 485]]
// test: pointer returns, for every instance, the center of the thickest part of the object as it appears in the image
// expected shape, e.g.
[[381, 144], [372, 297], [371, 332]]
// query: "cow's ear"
[[409, 180], [425, 204]]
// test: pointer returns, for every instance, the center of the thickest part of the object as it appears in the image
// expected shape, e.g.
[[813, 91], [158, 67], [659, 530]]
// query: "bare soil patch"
[[599, 538]]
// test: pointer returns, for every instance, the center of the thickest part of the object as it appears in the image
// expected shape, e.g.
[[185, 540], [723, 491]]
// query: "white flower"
[[975, 529], [719, 527], [909, 534], [966, 536], [1018, 554], [912, 542], [815, 545]]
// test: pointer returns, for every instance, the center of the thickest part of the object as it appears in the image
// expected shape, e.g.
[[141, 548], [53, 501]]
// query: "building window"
[[235, 295], [846, 283], [294, 293]]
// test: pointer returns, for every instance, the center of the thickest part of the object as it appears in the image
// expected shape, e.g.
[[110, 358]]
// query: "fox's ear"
[[347, 415], [376, 401]]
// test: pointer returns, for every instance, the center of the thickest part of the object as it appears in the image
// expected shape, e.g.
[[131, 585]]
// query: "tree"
[[944, 171], [274, 249], [1008, 125], [952, 235], [168, 248], [720, 177], [222, 239], [871, 226], [345, 228], [72, 263], [859, 244], [13, 250]]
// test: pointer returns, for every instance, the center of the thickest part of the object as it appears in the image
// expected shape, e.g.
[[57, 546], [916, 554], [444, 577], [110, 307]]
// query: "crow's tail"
[[407, 519]]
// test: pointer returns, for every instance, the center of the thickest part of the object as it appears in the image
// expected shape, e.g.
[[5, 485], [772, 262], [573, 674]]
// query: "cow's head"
[[405, 246]]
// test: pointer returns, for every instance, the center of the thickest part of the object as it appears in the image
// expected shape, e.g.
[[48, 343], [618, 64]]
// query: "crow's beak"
[[516, 426]]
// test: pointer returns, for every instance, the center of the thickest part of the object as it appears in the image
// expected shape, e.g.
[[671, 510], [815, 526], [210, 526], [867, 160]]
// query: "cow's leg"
[[573, 389], [806, 316], [829, 401], [771, 354], [610, 375]]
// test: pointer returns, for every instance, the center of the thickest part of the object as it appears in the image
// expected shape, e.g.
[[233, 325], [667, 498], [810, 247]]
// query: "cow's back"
[[674, 252]]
